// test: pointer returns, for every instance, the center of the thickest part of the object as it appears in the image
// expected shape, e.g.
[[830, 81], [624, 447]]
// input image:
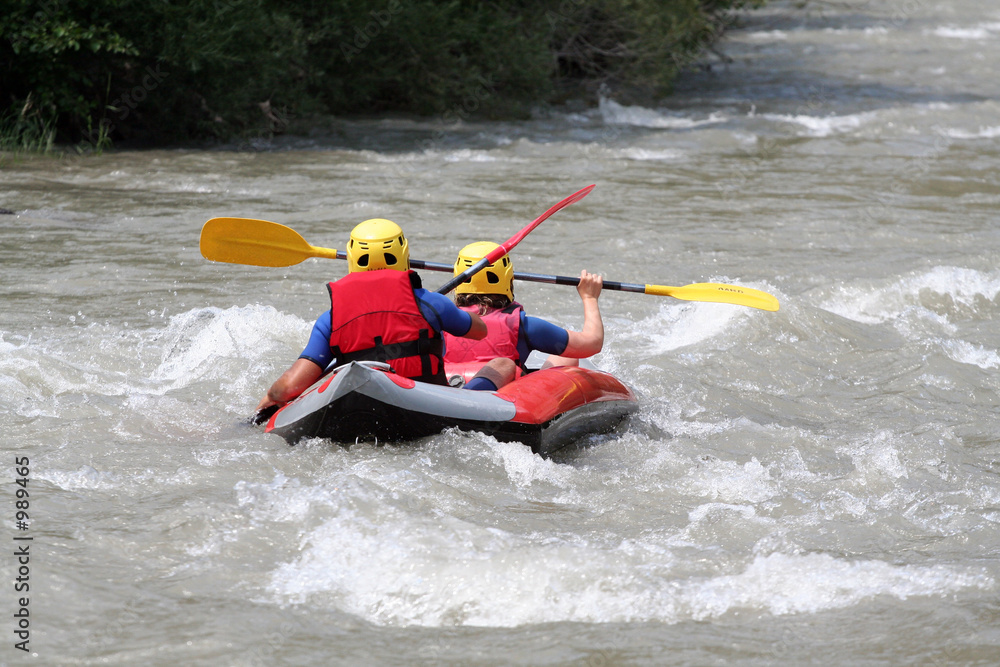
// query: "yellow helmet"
[[377, 244], [496, 278]]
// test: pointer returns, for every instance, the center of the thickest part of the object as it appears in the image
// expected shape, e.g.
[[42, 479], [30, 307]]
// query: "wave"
[[643, 154], [85, 370], [823, 126], [897, 299], [399, 568], [196, 341], [983, 133], [791, 583], [964, 352], [977, 32], [938, 308], [685, 324], [614, 113], [765, 35]]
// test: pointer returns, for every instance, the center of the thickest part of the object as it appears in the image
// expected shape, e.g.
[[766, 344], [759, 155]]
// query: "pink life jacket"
[[502, 330]]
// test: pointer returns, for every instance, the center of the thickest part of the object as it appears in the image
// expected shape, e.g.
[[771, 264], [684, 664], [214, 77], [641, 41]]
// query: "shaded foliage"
[[161, 71]]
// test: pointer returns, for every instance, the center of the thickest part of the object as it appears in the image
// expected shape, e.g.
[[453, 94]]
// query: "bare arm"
[[478, 329], [291, 383], [586, 343]]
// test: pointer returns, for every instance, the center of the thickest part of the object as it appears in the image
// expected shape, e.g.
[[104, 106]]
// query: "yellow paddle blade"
[[256, 242], [718, 293]]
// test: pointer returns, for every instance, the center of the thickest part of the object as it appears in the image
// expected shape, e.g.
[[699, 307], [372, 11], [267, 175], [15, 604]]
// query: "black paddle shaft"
[[537, 277]]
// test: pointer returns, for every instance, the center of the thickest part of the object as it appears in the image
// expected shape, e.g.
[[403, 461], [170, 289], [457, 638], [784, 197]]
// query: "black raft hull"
[[546, 409]]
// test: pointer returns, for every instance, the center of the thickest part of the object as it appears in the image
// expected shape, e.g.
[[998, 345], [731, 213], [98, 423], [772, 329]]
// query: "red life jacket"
[[502, 331], [375, 317]]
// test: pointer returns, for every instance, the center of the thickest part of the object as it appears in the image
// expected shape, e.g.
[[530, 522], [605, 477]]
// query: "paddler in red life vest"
[[378, 312], [512, 335]]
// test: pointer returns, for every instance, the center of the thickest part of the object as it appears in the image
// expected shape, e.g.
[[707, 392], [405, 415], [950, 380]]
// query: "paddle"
[[509, 244], [713, 292], [257, 243], [263, 243]]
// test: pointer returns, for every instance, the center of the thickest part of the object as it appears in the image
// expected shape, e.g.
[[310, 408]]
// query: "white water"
[[812, 486]]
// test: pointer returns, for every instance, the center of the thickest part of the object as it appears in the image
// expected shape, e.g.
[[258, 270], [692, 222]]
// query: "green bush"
[[166, 71]]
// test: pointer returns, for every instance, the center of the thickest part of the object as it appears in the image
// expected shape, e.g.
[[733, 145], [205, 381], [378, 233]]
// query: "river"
[[813, 486]]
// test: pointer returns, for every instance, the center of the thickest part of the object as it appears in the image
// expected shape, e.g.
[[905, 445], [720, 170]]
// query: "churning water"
[[813, 486]]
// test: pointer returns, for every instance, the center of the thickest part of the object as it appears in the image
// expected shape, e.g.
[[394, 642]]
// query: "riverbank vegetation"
[[170, 71]]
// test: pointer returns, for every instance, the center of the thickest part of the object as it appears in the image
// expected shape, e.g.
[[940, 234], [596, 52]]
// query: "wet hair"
[[485, 302]]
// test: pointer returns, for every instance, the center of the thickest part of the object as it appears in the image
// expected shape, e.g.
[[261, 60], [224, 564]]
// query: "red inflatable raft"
[[545, 409]]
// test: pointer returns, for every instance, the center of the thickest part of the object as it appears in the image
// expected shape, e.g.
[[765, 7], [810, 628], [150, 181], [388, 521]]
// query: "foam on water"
[[965, 352], [980, 31], [673, 327], [400, 569], [85, 477], [408, 544], [810, 583], [467, 155], [614, 113], [523, 467], [115, 384], [880, 304], [824, 126], [730, 482], [196, 343], [765, 35], [934, 307], [829, 468], [283, 499], [877, 457], [983, 133], [642, 154]]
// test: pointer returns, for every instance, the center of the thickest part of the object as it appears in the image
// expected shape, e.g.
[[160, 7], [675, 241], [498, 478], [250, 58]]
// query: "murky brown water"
[[813, 486]]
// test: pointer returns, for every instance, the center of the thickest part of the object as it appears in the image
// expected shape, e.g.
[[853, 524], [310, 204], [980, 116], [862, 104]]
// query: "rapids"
[[813, 486]]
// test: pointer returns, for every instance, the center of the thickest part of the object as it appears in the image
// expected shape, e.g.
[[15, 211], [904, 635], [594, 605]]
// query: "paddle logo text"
[[22, 552]]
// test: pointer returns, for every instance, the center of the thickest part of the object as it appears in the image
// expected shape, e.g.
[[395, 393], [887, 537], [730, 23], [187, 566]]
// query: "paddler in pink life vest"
[[512, 335], [378, 312]]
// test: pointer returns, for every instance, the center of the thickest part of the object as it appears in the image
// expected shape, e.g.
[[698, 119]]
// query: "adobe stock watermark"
[[363, 35], [128, 101], [22, 553]]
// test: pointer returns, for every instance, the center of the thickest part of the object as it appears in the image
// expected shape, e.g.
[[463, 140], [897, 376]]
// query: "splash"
[[194, 340], [673, 327]]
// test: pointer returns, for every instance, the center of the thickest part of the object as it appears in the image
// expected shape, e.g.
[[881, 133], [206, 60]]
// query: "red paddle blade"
[[507, 246]]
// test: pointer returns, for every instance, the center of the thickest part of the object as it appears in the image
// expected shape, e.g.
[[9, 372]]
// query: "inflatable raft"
[[545, 409]]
